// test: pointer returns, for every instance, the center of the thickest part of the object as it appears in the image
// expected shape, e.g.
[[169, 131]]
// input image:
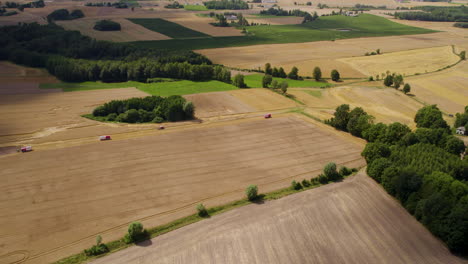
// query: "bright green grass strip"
[[255, 81], [195, 7], [317, 94], [167, 28], [161, 89], [325, 28]]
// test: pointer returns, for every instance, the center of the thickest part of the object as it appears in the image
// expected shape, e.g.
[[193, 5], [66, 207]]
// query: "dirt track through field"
[[69, 195], [350, 222]]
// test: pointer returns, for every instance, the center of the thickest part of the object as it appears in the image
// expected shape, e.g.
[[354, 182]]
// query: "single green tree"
[[317, 74], [388, 81], [335, 75], [201, 209], [274, 84], [397, 81], [284, 87], [463, 55], [239, 81], [294, 73], [266, 81], [268, 69], [330, 171], [136, 232], [407, 88], [282, 73], [251, 192]]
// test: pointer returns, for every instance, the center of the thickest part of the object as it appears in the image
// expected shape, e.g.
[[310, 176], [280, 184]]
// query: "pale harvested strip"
[[130, 31], [404, 62]]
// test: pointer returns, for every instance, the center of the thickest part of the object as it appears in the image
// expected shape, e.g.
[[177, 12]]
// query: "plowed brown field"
[[54, 202], [354, 221]]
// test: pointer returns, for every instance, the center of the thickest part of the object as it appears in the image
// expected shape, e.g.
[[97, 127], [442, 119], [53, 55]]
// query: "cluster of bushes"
[[322, 6], [3, 12], [354, 121], [107, 25], [376, 52], [34, 4], [296, 12], [174, 5], [63, 14], [395, 80], [73, 57], [268, 82], [461, 25], [423, 170], [108, 4], [368, 7], [97, 249], [226, 4], [461, 119], [433, 13], [148, 109], [329, 174]]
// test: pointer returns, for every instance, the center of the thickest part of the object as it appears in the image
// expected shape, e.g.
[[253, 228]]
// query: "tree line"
[[34, 4], [74, 57], [432, 13], [296, 12], [108, 4], [423, 169], [226, 4], [148, 109], [63, 14]]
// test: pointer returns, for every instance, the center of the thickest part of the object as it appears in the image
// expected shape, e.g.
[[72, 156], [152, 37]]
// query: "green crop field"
[[255, 81], [162, 89], [325, 28], [195, 7], [168, 28]]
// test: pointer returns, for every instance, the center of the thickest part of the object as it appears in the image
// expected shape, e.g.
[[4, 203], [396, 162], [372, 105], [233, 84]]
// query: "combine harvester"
[[102, 138], [26, 149]]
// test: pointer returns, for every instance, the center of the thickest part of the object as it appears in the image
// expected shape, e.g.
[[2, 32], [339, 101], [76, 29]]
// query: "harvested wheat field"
[[72, 194], [129, 31], [354, 221], [386, 104], [218, 104], [13, 73], [448, 89], [326, 53], [405, 62], [31, 113]]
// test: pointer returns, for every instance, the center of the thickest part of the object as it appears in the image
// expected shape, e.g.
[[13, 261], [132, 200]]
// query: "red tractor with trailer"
[[102, 138], [26, 149]]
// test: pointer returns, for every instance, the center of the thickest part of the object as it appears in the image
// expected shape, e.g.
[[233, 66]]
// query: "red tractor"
[[26, 149], [102, 138], [267, 116]]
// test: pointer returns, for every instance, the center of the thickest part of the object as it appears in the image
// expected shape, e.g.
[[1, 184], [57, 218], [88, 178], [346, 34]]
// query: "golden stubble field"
[[386, 104], [327, 54], [54, 202], [354, 221], [448, 89], [407, 62]]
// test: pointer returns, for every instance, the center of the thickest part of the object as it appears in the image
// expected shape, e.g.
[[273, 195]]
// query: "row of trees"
[[74, 57], [34, 4], [421, 168], [296, 12], [226, 4], [108, 4], [148, 109], [461, 25]]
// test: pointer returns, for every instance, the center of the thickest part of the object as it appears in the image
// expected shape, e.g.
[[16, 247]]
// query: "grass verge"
[[325, 28], [255, 81], [167, 28], [195, 8], [162, 89], [163, 229]]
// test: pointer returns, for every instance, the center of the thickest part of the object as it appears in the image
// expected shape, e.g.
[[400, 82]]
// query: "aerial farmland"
[[233, 131]]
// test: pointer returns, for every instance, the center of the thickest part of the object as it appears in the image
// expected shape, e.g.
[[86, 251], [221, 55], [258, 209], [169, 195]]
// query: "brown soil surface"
[[58, 200], [354, 221]]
